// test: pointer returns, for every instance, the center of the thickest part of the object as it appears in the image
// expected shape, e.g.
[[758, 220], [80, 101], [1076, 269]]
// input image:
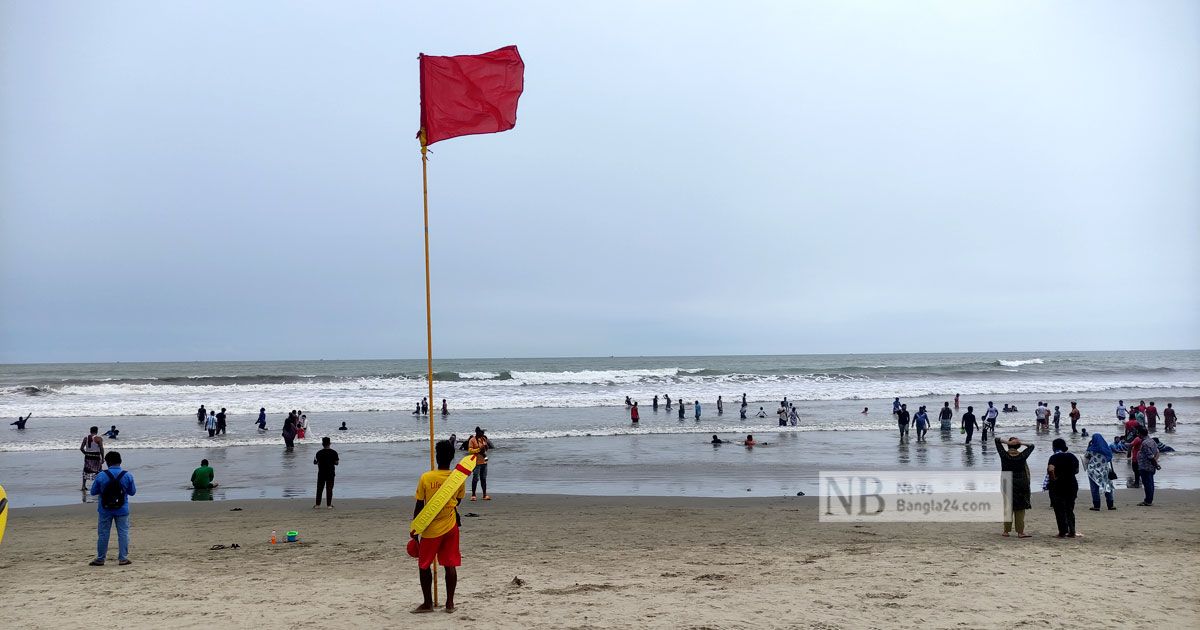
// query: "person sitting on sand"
[[749, 441], [202, 477], [20, 423], [439, 541]]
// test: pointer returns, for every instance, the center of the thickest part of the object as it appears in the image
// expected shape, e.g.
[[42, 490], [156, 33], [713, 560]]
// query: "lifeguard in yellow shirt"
[[440, 539]]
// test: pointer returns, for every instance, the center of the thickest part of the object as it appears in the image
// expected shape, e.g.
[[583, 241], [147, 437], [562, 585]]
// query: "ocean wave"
[[1020, 362], [530, 391], [595, 377]]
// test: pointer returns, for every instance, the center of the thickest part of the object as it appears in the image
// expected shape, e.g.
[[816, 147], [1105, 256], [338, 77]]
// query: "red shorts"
[[444, 548]]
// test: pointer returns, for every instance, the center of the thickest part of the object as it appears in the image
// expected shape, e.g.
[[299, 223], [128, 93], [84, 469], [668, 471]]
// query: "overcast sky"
[[239, 180]]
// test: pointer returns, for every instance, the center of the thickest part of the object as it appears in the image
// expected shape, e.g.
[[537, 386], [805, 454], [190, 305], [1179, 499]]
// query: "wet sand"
[[607, 562]]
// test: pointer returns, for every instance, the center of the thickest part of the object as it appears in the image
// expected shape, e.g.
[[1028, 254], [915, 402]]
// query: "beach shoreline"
[[607, 562]]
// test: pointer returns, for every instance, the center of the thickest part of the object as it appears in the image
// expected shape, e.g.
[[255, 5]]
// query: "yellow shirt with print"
[[426, 488]]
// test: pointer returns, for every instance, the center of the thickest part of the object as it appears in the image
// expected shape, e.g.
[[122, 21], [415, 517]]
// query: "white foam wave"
[[594, 377], [604, 388], [1020, 362]]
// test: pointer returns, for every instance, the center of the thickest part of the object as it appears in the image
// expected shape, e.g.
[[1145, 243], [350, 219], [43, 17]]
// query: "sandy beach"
[[550, 561]]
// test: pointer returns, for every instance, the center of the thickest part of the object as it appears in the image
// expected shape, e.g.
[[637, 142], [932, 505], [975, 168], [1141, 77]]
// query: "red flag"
[[469, 94]]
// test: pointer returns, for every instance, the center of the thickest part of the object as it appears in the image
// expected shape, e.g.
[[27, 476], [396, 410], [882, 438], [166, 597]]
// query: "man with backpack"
[[114, 487]]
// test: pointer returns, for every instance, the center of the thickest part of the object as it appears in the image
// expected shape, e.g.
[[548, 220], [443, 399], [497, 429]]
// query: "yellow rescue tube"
[[458, 476], [3, 512]]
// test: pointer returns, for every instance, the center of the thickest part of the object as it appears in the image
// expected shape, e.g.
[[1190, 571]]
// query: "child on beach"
[[440, 540]]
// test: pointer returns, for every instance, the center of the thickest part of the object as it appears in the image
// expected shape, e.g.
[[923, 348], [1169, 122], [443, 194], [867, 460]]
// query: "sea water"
[[561, 424]]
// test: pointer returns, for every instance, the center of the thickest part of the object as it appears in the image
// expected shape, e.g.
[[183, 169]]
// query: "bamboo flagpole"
[[428, 322]]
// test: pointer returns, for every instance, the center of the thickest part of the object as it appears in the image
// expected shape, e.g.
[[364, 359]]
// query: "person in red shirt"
[[1169, 419], [1134, 447], [633, 413], [1131, 426]]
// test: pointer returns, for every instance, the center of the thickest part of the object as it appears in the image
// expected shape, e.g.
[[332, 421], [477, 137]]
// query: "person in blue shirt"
[[696, 405], [922, 422], [109, 515], [262, 419]]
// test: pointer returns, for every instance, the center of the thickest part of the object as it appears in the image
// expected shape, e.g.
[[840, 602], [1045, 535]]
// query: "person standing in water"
[[1074, 416], [922, 422], [20, 423], [696, 407], [221, 422], [681, 406], [902, 420], [289, 431], [969, 424], [1169, 418], [92, 448], [989, 422], [445, 408], [956, 401], [633, 413], [201, 415], [424, 406], [896, 406], [946, 416], [1063, 487], [210, 423], [654, 404], [262, 419], [1013, 460], [742, 412], [667, 398], [720, 406]]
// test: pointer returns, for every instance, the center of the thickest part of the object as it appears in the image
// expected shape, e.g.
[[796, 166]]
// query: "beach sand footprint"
[[581, 588]]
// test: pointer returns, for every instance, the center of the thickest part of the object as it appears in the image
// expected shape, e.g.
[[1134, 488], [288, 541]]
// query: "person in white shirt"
[[1040, 415], [989, 421], [1121, 413]]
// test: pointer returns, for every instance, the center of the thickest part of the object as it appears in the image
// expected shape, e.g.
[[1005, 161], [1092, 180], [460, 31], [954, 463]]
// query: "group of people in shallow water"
[[422, 408], [295, 426], [787, 412]]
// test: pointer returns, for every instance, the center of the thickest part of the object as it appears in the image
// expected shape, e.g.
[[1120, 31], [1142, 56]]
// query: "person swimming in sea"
[[717, 440], [749, 442], [112, 432], [343, 427], [20, 423], [762, 413]]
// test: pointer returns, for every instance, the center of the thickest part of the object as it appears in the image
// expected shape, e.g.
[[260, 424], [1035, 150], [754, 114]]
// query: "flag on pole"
[[470, 94]]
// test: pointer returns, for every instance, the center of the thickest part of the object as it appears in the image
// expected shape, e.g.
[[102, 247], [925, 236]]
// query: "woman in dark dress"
[[1063, 487], [1013, 460]]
